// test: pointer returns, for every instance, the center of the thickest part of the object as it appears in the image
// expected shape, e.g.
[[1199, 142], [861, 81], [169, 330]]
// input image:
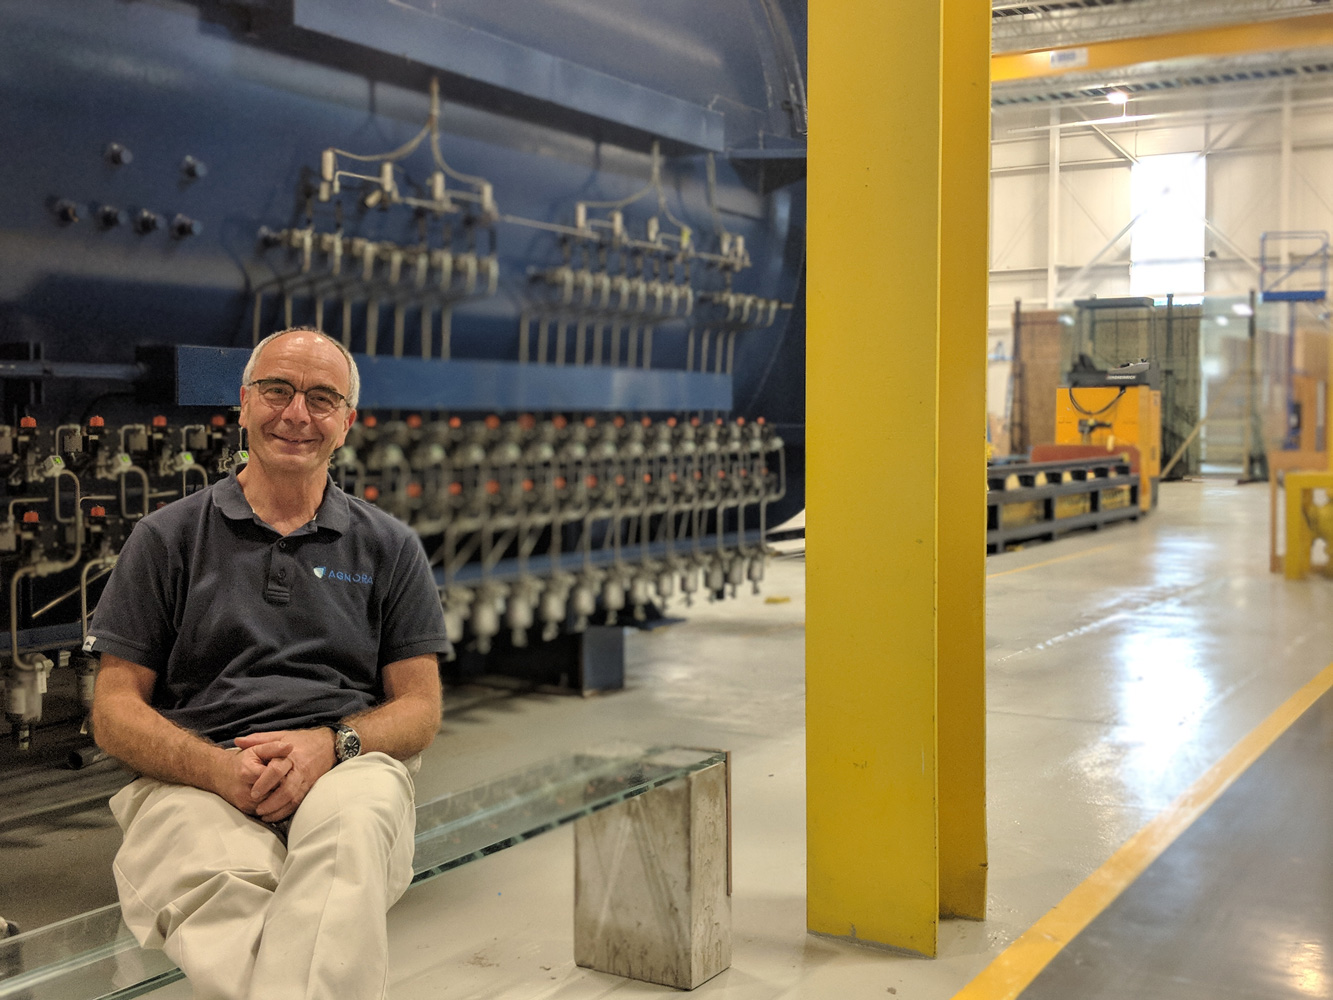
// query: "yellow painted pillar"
[[895, 483]]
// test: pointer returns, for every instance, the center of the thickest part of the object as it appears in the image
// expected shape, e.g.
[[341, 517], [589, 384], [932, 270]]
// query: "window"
[[1167, 197]]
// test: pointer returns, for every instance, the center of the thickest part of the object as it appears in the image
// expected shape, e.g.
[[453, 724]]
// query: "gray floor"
[[1239, 907], [1122, 664]]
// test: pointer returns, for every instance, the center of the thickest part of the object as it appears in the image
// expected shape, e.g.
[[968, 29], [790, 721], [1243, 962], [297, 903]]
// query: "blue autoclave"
[[564, 238]]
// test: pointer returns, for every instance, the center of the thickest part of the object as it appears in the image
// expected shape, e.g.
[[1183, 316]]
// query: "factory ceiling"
[[1021, 27], [1076, 49]]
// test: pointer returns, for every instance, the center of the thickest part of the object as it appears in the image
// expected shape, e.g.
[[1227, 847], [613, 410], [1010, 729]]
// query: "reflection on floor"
[[1239, 907], [1122, 664]]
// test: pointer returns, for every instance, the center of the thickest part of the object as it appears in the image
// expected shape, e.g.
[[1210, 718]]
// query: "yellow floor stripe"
[[1048, 562], [1015, 968]]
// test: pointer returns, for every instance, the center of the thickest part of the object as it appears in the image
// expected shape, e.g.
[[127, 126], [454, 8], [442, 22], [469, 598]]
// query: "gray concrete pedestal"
[[652, 895]]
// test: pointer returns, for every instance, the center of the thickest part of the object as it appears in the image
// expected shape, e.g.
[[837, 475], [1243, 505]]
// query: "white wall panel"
[[1243, 196], [1018, 221], [1094, 206], [1312, 189]]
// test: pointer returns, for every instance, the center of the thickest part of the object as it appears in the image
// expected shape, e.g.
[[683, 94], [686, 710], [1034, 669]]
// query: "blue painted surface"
[[250, 92], [209, 376], [434, 40]]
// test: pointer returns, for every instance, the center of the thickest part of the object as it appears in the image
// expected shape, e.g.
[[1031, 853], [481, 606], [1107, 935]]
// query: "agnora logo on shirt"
[[324, 573]]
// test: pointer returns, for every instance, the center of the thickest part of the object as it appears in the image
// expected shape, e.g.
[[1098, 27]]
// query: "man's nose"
[[296, 410]]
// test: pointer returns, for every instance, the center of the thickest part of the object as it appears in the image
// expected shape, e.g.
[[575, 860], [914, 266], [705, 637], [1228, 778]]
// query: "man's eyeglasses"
[[278, 393]]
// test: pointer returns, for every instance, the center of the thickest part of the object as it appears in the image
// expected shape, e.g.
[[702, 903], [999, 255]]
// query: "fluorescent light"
[[1117, 97], [1242, 309]]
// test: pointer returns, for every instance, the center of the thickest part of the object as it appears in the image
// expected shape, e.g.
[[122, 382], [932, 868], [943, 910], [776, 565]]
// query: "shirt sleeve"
[[133, 618], [413, 622]]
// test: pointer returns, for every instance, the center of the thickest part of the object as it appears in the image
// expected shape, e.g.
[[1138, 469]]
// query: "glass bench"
[[93, 956]]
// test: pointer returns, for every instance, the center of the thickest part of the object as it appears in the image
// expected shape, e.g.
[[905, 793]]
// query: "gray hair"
[[353, 376]]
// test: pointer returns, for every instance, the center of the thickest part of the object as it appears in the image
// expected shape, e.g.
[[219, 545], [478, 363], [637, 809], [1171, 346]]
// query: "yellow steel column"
[[964, 295], [895, 510]]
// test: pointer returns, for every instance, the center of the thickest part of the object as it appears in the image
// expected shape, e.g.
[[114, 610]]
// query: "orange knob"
[[560, 482], [372, 493], [455, 422], [370, 420], [527, 421], [528, 484], [589, 421], [493, 487], [159, 421], [559, 422], [492, 421], [620, 480], [97, 511], [96, 422], [590, 482], [455, 489], [217, 420], [414, 490], [28, 423], [30, 517], [414, 420]]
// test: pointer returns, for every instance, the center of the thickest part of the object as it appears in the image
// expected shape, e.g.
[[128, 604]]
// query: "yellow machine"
[[1113, 417]]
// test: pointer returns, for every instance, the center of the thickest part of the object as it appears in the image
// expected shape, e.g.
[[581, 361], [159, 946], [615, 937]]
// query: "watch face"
[[349, 744]]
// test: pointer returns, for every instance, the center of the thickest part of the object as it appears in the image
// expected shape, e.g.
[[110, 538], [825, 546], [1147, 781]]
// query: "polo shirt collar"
[[333, 511]]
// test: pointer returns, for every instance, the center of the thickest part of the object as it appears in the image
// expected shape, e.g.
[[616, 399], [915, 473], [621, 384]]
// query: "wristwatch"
[[346, 743]]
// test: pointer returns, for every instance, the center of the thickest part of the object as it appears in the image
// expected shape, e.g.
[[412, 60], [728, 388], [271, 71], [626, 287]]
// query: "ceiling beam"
[[1310, 31]]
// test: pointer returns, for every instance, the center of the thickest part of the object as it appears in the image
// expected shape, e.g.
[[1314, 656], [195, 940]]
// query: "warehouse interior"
[[1074, 752]]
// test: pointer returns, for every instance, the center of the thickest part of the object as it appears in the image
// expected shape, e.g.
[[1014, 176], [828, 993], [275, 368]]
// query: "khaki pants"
[[249, 917]]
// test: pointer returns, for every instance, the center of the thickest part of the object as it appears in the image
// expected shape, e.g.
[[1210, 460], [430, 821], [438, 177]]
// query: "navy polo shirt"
[[248, 630]]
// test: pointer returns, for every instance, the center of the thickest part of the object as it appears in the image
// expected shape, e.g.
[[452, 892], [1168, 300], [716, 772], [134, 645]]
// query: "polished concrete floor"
[[1122, 664]]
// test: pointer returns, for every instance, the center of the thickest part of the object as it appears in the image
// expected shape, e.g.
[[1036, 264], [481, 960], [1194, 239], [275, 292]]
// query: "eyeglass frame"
[[272, 380]]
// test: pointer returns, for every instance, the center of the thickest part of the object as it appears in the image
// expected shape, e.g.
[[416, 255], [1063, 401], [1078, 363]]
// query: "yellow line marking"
[[1048, 562], [1014, 968]]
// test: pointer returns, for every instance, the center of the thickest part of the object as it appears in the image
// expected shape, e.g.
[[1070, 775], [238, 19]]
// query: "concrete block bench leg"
[[652, 894]]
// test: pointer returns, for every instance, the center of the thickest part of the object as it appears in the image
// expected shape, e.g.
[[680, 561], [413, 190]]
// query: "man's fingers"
[[269, 749], [272, 777], [254, 739]]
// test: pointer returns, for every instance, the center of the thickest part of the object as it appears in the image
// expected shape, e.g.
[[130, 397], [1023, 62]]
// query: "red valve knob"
[[673, 477], [492, 421], [721, 473], [414, 490], [527, 421], [493, 487], [217, 420], [159, 421], [647, 421], [740, 421], [647, 478], [28, 423], [560, 482], [619, 421], [559, 422], [370, 420], [372, 493], [671, 421], [528, 484], [694, 421], [589, 421], [455, 422], [620, 480], [455, 489], [760, 421], [414, 420], [97, 511], [96, 422], [30, 517], [590, 482]]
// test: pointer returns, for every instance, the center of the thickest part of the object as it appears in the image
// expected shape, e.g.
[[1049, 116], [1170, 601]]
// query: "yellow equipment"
[[1112, 417]]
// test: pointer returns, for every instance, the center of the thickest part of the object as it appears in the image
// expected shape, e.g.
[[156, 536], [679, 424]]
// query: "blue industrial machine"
[[564, 238]]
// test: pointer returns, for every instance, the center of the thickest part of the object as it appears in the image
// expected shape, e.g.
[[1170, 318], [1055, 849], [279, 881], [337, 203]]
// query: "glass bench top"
[[94, 956]]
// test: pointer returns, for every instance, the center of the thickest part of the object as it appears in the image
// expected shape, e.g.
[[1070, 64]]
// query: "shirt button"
[[282, 574], [283, 545]]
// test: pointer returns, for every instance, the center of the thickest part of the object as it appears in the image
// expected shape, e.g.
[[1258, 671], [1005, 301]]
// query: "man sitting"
[[269, 668]]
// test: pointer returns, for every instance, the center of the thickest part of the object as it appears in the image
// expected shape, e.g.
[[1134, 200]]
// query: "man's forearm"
[[145, 741], [400, 728]]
